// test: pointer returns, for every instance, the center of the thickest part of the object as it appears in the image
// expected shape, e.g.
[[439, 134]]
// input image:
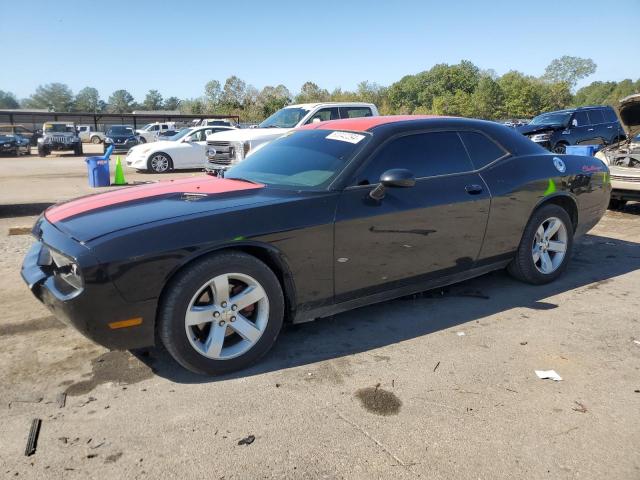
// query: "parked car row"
[[14, 144]]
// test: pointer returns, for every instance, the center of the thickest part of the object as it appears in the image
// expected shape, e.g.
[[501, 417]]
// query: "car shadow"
[[596, 260], [23, 209]]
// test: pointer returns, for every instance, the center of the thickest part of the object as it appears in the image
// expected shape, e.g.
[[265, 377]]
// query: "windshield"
[[117, 130], [551, 119], [58, 128], [302, 160], [177, 136], [285, 118]]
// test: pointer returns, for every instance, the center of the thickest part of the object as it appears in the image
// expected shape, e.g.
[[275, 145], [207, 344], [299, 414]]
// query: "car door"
[[597, 131], [419, 233], [198, 145], [614, 130]]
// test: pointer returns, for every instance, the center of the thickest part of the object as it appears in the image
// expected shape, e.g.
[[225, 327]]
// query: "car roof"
[[362, 124], [310, 106]]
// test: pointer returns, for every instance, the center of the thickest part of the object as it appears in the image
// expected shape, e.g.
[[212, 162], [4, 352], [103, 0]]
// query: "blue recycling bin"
[[98, 169], [585, 150]]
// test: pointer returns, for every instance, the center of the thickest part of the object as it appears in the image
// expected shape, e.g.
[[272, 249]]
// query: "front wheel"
[[95, 140], [545, 247], [43, 152], [560, 148], [159, 163], [221, 314]]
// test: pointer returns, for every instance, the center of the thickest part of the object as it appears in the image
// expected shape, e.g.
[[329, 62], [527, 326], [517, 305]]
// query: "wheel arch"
[[564, 200], [267, 254]]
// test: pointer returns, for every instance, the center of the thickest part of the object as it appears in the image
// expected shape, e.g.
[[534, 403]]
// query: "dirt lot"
[[393, 390]]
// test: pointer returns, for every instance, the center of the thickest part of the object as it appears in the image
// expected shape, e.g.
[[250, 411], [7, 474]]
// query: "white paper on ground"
[[637, 342], [550, 374], [460, 334]]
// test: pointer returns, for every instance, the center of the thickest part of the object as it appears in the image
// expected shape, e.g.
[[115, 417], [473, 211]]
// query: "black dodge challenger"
[[330, 217]]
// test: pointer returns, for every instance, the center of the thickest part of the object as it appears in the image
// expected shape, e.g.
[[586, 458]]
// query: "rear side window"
[[482, 150], [580, 119], [610, 115], [354, 112], [596, 117], [424, 154]]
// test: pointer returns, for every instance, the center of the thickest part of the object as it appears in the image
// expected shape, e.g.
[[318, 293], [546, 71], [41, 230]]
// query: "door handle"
[[610, 126], [473, 189], [589, 129]]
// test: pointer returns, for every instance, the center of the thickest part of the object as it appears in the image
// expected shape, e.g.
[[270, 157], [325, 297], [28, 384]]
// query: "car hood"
[[94, 216], [248, 134], [628, 111], [529, 129]]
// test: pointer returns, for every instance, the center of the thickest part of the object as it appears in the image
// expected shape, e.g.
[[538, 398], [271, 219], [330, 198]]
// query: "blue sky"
[[176, 47]]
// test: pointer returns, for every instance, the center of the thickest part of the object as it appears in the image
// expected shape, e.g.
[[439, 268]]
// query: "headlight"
[[541, 137], [108, 140], [67, 269]]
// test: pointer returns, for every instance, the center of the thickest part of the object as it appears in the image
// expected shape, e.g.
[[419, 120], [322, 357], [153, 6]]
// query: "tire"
[[159, 162], [616, 204], [560, 148], [524, 266], [96, 140], [142, 139], [43, 152], [77, 150], [188, 344]]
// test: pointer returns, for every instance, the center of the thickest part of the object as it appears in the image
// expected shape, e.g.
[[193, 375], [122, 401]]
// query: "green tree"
[[569, 70], [212, 93], [595, 93], [487, 99], [121, 101], [8, 100], [522, 95], [195, 106], [153, 101], [271, 99], [310, 92], [172, 103], [88, 100], [56, 97], [233, 93]]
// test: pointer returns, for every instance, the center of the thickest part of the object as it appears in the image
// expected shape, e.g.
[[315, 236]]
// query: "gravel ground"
[[391, 390]]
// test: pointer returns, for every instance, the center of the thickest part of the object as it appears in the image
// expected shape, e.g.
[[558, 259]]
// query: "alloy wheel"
[[227, 316], [549, 245], [159, 163]]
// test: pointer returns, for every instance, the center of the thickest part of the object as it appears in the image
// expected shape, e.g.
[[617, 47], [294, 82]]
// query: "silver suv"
[[59, 136]]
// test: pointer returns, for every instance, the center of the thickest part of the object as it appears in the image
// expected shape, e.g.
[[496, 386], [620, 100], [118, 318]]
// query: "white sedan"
[[184, 150]]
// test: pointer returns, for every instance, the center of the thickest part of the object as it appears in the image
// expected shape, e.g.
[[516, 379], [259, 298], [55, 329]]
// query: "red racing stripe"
[[204, 184]]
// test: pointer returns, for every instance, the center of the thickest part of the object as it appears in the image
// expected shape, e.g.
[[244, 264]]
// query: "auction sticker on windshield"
[[345, 137]]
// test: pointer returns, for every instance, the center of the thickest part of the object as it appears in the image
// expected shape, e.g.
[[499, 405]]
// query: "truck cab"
[[225, 149], [152, 131], [89, 133]]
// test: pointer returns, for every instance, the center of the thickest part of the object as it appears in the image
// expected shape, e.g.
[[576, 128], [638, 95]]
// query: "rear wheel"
[[159, 163], [616, 204], [43, 151], [95, 140], [545, 247], [221, 314]]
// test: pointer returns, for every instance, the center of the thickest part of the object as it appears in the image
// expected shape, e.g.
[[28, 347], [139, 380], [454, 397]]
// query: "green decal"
[[238, 238], [551, 188]]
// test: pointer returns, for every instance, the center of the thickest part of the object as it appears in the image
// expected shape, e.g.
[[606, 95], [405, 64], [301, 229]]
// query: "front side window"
[[324, 114], [596, 117], [355, 112], [482, 150], [580, 119], [423, 154]]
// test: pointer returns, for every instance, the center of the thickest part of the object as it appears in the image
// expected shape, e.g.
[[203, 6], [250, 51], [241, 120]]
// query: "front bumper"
[[625, 187], [122, 147], [92, 308], [136, 160]]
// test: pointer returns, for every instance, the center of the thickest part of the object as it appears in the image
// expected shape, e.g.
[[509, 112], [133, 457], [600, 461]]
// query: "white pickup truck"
[[227, 148], [152, 131]]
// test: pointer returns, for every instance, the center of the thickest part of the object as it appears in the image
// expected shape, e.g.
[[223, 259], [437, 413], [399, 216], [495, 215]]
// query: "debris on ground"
[[247, 440], [20, 230], [32, 441], [379, 401], [436, 367], [460, 334], [62, 400], [550, 374], [26, 400], [579, 408], [523, 343], [637, 342]]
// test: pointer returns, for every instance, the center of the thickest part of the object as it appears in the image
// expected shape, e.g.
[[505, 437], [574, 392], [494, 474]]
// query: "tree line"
[[462, 89]]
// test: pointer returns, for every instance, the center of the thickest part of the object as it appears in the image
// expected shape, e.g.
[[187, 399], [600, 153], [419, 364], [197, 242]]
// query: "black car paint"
[[566, 134], [332, 250], [121, 142]]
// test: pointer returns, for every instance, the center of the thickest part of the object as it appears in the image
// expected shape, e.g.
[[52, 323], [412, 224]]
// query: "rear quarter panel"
[[518, 185]]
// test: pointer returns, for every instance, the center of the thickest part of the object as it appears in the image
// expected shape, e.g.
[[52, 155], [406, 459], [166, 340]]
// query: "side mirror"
[[188, 139], [316, 120], [394, 178]]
